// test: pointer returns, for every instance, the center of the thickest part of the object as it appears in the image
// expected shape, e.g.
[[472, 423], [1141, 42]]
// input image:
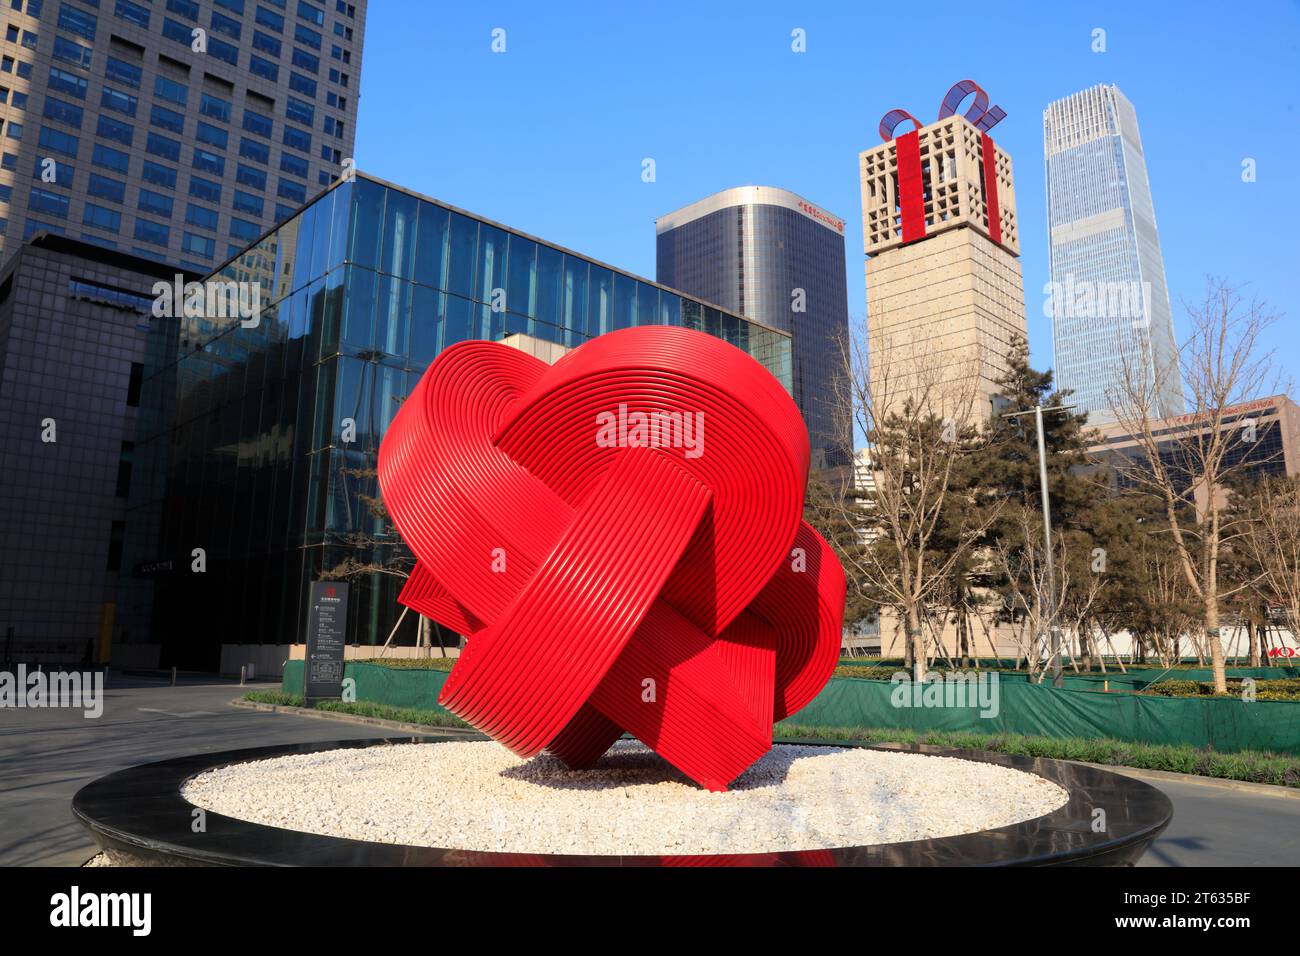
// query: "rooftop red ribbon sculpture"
[[980, 114], [619, 537]]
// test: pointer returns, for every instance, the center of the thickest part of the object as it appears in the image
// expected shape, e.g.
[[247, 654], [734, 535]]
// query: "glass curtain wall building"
[[259, 444], [772, 256], [1109, 302]]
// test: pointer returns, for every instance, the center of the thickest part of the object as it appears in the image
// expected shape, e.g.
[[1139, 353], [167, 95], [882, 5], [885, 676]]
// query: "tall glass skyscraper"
[[259, 444], [174, 130], [774, 257], [1108, 299]]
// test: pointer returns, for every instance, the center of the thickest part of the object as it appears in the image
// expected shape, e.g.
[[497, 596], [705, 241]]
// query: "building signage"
[[326, 638], [808, 209]]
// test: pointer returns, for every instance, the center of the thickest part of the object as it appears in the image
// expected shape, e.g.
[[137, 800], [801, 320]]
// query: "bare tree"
[[1187, 468], [918, 412], [1273, 543]]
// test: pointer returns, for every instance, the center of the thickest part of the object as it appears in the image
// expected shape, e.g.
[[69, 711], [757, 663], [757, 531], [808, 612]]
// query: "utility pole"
[[1053, 629]]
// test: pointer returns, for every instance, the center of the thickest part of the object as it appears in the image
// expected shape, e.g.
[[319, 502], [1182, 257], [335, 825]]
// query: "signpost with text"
[[326, 638]]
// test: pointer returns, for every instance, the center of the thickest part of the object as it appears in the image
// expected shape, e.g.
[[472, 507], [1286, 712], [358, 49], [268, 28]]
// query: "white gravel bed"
[[477, 795]]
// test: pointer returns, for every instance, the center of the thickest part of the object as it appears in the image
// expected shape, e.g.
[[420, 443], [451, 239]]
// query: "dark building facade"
[[262, 440], [774, 257], [74, 329]]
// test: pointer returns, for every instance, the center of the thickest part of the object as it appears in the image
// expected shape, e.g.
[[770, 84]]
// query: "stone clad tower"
[[944, 289]]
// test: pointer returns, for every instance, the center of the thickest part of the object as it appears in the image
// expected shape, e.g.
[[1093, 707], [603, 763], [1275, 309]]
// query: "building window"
[[201, 217], [263, 68], [186, 8], [52, 204], [101, 218], [300, 112], [57, 141], [61, 112], [311, 13], [158, 175], [196, 245], [167, 119], [241, 229], [294, 165], [248, 176], [211, 135], [297, 139], [77, 21], [125, 73], [305, 61], [293, 191], [222, 50], [66, 82], [103, 187], [72, 52], [269, 19], [171, 90], [267, 44], [122, 102], [155, 204], [302, 84], [152, 232], [255, 122], [252, 149], [227, 26], [214, 107], [110, 128], [163, 146], [205, 189], [209, 162], [132, 13], [127, 456], [248, 204]]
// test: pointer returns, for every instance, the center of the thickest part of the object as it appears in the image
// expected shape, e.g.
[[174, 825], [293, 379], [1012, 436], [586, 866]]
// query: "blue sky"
[[549, 137]]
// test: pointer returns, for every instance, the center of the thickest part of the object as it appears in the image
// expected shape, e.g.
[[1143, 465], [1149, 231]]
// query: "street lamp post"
[[1053, 629]]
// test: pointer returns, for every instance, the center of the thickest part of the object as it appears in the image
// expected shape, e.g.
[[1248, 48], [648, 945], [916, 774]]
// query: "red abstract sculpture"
[[619, 537]]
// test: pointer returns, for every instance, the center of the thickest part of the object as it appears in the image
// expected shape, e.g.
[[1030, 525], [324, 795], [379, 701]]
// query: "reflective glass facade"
[[1109, 301], [749, 250], [246, 429]]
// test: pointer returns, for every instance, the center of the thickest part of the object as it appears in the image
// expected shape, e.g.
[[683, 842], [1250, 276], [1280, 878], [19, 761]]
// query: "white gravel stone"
[[477, 795]]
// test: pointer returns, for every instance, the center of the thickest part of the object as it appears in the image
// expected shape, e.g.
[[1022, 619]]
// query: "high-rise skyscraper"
[[945, 300], [1108, 298], [177, 130], [774, 257]]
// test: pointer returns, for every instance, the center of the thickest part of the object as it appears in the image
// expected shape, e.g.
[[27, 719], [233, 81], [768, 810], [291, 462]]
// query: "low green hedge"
[[1249, 766], [1287, 689], [362, 708], [410, 663]]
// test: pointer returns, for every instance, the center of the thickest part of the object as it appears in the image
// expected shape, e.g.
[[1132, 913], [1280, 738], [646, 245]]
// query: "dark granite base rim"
[[141, 811]]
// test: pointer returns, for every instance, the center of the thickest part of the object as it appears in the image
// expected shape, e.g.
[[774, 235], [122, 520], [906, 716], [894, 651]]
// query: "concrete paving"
[[47, 755]]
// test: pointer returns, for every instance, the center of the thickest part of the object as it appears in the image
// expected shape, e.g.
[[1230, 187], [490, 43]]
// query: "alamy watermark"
[[39, 689], [214, 299], [958, 689], [1085, 299], [656, 429]]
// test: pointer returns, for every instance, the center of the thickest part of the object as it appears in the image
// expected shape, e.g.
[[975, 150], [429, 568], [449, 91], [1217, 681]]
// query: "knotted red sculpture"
[[619, 537]]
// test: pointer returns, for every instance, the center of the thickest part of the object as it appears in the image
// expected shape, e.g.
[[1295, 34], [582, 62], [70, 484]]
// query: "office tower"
[[74, 324], [176, 130], [944, 294], [264, 440], [774, 257], [1108, 298]]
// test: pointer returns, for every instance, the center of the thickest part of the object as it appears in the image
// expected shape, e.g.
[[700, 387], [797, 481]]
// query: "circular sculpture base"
[[806, 803]]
